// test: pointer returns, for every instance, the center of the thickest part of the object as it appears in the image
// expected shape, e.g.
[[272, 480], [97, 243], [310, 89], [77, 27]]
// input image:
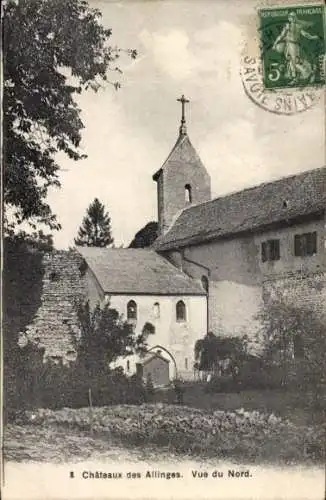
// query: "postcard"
[[164, 268]]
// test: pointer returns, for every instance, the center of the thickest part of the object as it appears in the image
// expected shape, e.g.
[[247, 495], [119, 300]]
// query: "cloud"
[[170, 52], [259, 146], [209, 42], [181, 55], [234, 156]]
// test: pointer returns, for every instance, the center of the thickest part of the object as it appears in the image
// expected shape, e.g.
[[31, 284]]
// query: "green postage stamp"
[[293, 46]]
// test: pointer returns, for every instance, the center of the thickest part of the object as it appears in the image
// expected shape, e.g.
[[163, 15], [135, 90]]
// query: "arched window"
[[188, 194], [132, 310], [181, 311], [204, 282], [156, 310]]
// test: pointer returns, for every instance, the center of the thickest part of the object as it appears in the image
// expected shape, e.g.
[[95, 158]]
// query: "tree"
[[104, 338], [146, 236], [37, 240], [54, 49], [206, 352], [211, 349], [95, 230]]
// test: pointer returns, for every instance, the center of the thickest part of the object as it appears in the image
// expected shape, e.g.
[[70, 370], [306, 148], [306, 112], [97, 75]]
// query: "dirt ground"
[[31, 443]]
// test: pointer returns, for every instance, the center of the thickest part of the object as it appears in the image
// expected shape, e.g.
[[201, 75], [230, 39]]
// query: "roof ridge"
[[78, 248], [251, 188], [175, 268]]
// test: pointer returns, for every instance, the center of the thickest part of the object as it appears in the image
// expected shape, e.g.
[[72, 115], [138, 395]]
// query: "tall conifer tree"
[[95, 230]]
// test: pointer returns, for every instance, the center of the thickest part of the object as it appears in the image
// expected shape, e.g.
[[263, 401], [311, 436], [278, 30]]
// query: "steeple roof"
[[183, 152]]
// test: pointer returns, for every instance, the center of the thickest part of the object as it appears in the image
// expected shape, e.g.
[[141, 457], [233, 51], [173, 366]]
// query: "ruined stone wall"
[[55, 322]]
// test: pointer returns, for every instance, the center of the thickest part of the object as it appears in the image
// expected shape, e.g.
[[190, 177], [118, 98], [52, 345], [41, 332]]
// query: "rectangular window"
[[305, 244], [270, 250]]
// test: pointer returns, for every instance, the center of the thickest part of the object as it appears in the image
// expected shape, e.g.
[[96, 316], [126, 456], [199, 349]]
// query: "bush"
[[56, 386], [222, 383], [268, 377], [250, 376]]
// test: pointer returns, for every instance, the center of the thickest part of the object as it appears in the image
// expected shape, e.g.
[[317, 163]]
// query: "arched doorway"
[[174, 371]]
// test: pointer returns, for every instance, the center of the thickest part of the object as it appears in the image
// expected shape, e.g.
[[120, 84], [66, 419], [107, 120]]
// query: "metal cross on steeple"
[[183, 128]]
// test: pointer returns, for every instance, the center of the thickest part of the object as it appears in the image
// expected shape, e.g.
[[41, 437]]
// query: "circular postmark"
[[279, 101], [283, 63]]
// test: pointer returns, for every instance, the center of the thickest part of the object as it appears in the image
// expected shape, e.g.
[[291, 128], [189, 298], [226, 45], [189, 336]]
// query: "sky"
[[189, 47]]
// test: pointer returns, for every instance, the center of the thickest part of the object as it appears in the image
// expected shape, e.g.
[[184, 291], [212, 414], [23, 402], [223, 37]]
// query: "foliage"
[[37, 240], [250, 377], [206, 352], [145, 236], [55, 385], [95, 230], [104, 338], [23, 272], [148, 328], [238, 435], [296, 338], [211, 349], [54, 49]]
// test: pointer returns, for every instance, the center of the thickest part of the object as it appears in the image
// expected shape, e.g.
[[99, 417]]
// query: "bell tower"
[[182, 180]]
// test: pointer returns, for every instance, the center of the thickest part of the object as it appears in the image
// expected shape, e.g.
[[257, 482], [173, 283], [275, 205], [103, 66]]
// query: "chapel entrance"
[[154, 368]]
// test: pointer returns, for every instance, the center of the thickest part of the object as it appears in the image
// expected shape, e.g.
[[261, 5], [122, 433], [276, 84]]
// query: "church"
[[214, 265]]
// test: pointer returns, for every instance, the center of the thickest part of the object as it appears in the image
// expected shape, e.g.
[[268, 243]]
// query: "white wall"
[[237, 275], [178, 337]]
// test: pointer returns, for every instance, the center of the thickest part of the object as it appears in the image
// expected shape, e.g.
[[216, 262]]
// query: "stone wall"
[[55, 322], [307, 291]]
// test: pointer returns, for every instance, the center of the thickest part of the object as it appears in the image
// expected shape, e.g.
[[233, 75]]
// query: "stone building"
[[215, 263], [246, 247], [147, 289]]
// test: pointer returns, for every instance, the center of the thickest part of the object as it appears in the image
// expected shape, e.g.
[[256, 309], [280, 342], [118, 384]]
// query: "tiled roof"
[[248, 210], [137, 271]]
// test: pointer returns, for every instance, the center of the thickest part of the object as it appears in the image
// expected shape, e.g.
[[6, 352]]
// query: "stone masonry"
[[55, 322], [307, 291]]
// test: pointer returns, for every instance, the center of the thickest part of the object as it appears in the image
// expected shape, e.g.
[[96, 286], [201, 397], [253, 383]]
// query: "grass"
[[290, 405], [55, 444]]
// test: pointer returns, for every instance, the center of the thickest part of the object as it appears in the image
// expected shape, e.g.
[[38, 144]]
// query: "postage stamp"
[[293, 46]]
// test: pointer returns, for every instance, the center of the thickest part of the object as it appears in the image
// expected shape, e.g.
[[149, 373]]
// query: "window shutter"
[[311, 243], [264, 251], [297, 245], [276, 250]]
